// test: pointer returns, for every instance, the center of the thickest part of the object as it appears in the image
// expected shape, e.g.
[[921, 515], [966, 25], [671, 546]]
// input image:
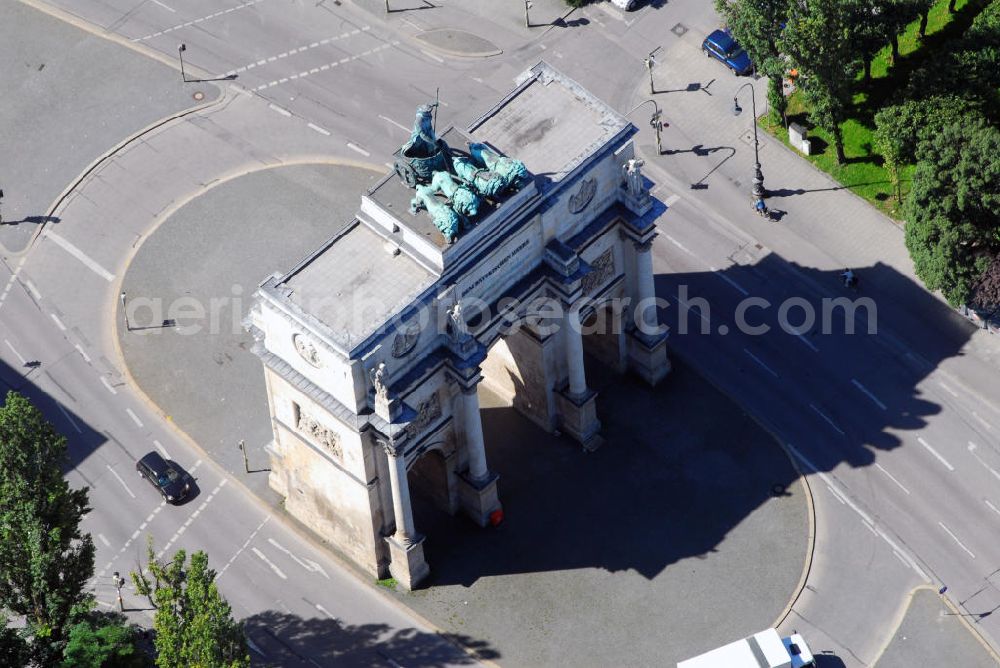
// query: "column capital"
[[392, 448], [643, 245]]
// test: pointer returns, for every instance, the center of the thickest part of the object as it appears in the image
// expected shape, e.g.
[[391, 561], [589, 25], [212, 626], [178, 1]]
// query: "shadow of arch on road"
[[331, 642]]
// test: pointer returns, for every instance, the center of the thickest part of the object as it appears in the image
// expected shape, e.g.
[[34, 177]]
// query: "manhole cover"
[[747, 138], [198, 95], [679, 29]]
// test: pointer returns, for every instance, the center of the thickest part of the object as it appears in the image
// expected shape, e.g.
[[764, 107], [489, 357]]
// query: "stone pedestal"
[[479, 498], [578, 417], [407, 563], [647, 356]]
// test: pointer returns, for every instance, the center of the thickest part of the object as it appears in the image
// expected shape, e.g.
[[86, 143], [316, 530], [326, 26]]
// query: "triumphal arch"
[[497, 255]]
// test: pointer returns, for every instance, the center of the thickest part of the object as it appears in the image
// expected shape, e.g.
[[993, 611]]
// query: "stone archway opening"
[[603, 332]]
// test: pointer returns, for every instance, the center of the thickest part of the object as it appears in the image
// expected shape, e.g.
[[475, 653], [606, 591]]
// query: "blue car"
[[721, 46]]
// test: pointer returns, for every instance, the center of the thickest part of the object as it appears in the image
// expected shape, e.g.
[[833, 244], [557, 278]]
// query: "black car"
[[165, 476]]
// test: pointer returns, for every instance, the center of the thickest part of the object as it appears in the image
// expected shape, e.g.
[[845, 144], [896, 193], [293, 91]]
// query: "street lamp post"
[[655, 122], [527, 19], [243, 448], [181, 48], [758, 177], [649, 62], [119, 581], [128, 328]]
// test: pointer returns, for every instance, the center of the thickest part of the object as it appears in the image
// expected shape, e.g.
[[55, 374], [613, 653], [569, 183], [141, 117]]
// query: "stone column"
[[406, 546], [474, 442], [574, 353], [646, 291], [406, 532]]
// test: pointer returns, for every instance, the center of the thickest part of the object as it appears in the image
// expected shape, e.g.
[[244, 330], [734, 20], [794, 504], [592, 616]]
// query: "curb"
[[143, 50], [286, 520], [810, 504], [455, 53], [905, 608]]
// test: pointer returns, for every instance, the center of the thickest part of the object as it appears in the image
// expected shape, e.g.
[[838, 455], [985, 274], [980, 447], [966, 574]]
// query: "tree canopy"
[[194, 623], [45, 560], [953, 210]]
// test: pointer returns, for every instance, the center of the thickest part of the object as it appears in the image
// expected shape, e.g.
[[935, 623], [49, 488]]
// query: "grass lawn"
[[863, 173]]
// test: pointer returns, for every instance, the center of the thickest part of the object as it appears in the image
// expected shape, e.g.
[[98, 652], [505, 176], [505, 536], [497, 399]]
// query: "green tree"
[[194, 624], [819, 38], [953, 209], [45, 560], [103, 640], [13, 646], [757, 25]]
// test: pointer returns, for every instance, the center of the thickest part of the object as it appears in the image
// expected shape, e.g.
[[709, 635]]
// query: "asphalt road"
[[899, 429]]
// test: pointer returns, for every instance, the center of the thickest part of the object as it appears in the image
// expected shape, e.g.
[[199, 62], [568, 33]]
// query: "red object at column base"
[[496, 517]]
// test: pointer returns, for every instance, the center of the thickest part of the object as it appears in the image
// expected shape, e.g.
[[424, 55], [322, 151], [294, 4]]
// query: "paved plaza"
[[688, 527], [932, 635]]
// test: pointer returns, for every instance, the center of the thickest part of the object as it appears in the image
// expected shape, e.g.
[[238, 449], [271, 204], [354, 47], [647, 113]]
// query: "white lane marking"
[[948, 390], [730, 281], [853, 506], [806, 341], [83, 354], [679, 245], [135, 418], [322, 131], [243, 547], [955, 538], [104, 540], [14, 350], [670, 201], [169, 9], [33, 290], [432, 56], [691, 308], [836, 494], [935, 453], [70, 419], [177, 534], [115, 474], [991, 506], [108, 385], [198, 20], [828, 420], [891, 477], [283, 112], [323, 68], [301, 49], [324, 611], [972, 451], [867, 393], [80, 255], [983, 422], [358, 149], [900, 557], [58, 322], [758, 361], [307, 564], [163, 450], [398, 125], [870, 528], [269, 563]]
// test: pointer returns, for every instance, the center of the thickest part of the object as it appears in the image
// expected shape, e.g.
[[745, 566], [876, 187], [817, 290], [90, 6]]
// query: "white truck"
[[761, 650]]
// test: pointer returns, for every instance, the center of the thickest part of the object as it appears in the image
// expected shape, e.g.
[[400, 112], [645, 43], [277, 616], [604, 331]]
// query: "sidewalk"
[[708, 158]]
